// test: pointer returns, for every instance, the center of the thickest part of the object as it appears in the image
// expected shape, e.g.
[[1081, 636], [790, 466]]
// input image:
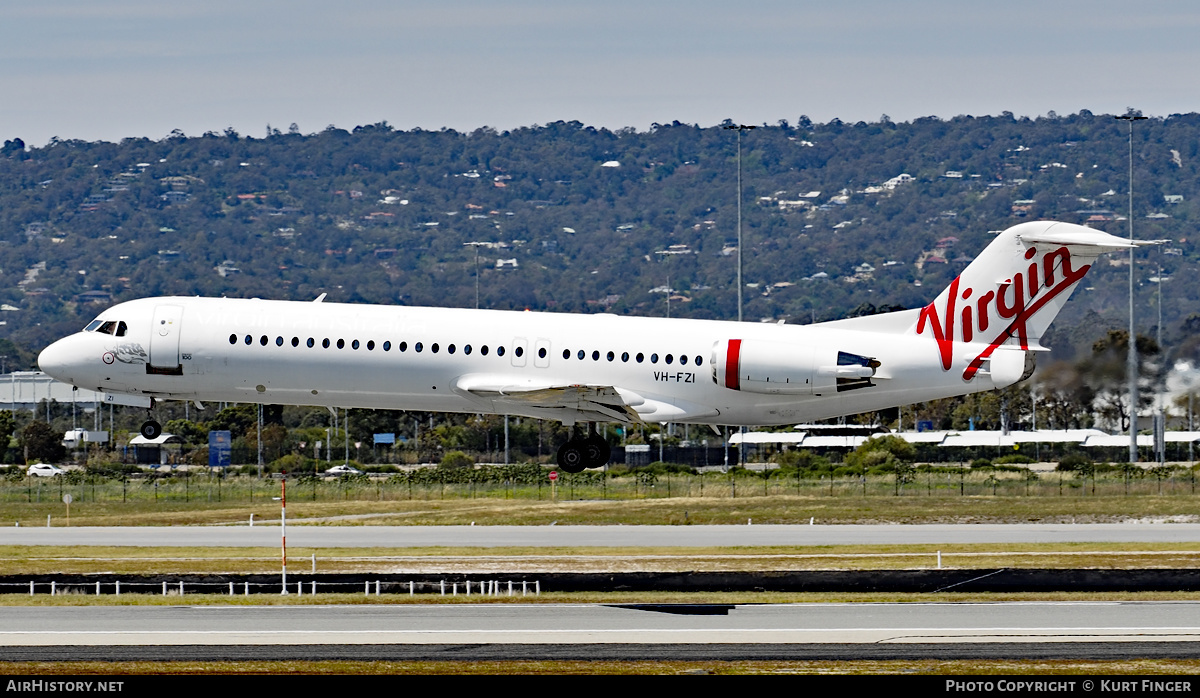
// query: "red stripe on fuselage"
[[732, 359]]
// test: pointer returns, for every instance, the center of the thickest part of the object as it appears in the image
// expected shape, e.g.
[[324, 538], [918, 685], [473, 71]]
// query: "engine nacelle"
[[777, 368]]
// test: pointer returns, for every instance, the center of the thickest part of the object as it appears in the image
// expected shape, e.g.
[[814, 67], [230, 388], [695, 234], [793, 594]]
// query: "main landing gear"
[[582, 452]]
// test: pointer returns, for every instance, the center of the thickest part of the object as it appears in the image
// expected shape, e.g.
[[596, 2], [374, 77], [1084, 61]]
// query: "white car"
[[343, 470], [44, 470]]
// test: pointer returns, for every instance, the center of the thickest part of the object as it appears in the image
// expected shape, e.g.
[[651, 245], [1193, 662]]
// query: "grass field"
[[845, 508], [35, 560], [682, 501]]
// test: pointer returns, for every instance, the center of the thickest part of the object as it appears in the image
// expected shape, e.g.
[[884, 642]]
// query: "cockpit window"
[[113, 327]]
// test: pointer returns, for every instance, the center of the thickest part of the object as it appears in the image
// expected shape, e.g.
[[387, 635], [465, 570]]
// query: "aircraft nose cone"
[[55, 360]]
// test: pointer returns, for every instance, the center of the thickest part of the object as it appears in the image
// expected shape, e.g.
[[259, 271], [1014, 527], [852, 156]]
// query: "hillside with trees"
[[838, 219], [837, 216]]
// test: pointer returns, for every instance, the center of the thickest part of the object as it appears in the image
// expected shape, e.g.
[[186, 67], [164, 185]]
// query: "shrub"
[[1074, 462], [456, 460]]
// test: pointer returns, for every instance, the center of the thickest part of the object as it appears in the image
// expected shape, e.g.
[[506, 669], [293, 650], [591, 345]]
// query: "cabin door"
[[164, 339]]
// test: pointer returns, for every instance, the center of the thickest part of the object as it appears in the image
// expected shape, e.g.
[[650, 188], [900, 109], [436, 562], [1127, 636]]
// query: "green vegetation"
[[523, 495], [376, 215], [289, 215]]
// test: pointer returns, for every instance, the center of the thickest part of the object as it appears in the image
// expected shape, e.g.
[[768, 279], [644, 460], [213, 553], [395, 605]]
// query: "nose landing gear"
[[582, 452], [151, 429]]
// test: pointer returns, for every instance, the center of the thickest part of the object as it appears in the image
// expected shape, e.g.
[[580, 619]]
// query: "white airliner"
[[979, 334]]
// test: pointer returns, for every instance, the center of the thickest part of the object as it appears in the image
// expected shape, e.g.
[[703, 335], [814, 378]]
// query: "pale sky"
[[106, 70]]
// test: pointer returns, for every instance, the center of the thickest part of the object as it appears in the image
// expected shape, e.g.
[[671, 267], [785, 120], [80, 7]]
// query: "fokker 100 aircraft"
[[979, 334]]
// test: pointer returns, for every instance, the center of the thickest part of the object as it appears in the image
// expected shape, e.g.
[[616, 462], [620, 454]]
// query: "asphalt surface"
[[516, 631], [1038, 629], [262, 535]]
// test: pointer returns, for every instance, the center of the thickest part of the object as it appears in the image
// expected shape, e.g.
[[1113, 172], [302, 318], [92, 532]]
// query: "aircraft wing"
[[585, 403], [592, 403]]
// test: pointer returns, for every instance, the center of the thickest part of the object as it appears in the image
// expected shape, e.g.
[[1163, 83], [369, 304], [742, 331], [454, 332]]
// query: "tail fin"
[[1012, 291]]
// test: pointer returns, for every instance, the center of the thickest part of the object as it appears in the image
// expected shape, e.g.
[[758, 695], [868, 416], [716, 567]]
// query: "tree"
[[1105, 372], [7, 426], [40, 442]]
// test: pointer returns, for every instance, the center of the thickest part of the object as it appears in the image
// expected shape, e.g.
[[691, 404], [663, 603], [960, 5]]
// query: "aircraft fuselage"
[[437, 359]]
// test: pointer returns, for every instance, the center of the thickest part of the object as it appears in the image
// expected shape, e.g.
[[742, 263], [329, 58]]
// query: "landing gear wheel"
[[596, 451], [582, 452], [151, 429], [572, 456]]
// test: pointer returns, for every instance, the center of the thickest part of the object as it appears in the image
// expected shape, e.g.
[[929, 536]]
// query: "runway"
[[577, 624], [300, 536]]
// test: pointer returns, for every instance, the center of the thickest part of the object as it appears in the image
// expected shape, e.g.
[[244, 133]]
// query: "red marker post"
[[283, 527], [553, 485]]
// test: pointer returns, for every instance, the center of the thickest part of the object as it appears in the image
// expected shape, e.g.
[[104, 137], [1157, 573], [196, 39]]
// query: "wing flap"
[[585, 403]]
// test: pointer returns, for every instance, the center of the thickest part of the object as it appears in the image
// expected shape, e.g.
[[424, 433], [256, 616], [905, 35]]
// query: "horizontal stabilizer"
[[1077, 235]]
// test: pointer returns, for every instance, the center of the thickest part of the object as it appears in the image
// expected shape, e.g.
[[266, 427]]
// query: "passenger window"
[[683, 360], [341, 344], [434, 348], [611, 356], [566, 353], [233, 339], [542, 353], [640, 357], [520, 351], [467, 350], [500, 351], [450, 349], [483, 350], [595, 355], [403, 346], [354, 344], [670, 359], [625, 356], [311, 342], [418, 347], [249, 340], [295, 341], [387, 346], [699, 361], [370, 345], [654, 358], [325, 343], [279, 341], [581, 355]]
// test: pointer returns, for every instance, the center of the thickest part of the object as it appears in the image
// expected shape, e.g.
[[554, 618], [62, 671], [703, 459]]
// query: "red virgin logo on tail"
[[1012, 304]]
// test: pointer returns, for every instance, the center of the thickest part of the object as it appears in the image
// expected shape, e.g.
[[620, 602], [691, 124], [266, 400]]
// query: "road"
[[603, 536]]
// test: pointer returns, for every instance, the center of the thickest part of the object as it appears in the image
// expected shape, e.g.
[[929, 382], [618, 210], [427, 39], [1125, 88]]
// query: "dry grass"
[[15, 559], [914, 507], [616, 597]]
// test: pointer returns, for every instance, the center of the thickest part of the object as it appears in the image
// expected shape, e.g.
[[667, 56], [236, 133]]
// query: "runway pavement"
[[563, 624], [602, 536]]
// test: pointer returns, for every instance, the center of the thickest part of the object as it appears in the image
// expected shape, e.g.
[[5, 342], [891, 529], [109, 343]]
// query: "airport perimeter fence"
[[298, 587], [208, 489]]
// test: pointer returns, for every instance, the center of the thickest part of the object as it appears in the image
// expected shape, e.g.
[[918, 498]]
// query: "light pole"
[[1132, 366], [739, 128], [476, 245], [1160, 427]]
